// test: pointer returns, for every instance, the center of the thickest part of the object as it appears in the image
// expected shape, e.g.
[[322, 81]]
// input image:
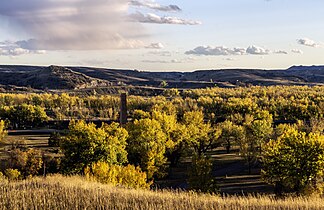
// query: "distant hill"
[[52, 77], [72, 78]]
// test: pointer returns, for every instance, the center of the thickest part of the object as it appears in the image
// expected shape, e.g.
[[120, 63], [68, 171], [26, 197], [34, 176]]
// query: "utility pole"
[[123, 109]]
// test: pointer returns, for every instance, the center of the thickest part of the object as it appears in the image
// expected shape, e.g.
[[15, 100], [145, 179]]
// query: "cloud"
[[208, 50], [307, 42], [173, 61], [153, 18], [160, 53], [9, 48], [280, 52], [155, 6], [155, 46], [255, 50], [221, 50], [297, 51], [73, 24]]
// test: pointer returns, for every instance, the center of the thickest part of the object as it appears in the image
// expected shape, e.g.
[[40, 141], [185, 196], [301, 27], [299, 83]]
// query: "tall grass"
[[58, 192]]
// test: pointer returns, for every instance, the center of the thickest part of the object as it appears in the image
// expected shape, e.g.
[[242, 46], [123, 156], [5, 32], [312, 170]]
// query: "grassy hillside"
[[58, 192], [71, 78]]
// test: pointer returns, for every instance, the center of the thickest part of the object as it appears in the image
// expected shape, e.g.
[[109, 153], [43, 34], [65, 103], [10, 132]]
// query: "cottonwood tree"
[[201, 136], [295, 161], [147, 146], [258, 130], [85, 144]]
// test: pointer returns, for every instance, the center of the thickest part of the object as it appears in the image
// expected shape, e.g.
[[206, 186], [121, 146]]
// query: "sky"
[[163, 35]]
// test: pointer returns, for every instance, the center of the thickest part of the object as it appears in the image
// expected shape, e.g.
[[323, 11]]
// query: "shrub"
[[3, 132], [127, 176], [12, 174], [28, 162]]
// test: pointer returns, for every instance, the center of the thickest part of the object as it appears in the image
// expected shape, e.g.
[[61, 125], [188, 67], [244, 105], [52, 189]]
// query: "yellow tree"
[[294, 161]]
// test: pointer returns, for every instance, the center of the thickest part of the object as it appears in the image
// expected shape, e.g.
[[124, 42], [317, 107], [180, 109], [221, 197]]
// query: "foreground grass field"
[[58, 192]]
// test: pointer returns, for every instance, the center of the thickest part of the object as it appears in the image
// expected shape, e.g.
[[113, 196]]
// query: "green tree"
[[85, 144], [146, 146], [294, 161]]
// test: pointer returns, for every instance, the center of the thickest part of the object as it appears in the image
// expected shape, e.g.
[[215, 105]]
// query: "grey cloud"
[[153, 18], [280, 52], [307, 42], [155, 6], [73, 24]]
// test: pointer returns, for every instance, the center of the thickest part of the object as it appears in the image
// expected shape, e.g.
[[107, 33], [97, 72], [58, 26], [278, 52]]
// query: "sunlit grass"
[[58, 192]]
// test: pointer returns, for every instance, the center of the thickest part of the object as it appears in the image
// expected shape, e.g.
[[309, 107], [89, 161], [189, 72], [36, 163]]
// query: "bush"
[[12, 174], [126, 176], [28, 162], [3, 132]]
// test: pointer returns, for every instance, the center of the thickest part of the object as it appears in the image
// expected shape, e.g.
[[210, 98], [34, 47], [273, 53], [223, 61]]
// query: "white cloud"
[[9, 48], [221, 50], [155, 6], [73, 24], [297, 51], [155, 46], [153, 18], [255, 50], [307, 42]]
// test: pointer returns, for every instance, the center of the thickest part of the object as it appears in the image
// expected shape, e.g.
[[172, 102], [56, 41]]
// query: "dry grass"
[[58, 192]]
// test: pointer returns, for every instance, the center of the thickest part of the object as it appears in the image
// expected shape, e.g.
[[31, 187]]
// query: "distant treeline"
[[284, 103]]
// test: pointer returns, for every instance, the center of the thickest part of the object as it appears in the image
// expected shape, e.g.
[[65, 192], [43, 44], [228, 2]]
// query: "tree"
[[24, 115], [201, 136], [258, 130], [85, 144], [201, 177], [146, 146], [175, 133], [230, 133], [295, 161]]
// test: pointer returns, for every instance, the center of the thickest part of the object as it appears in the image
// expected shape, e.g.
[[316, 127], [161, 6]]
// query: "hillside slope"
[[52, 77], [59, 78]]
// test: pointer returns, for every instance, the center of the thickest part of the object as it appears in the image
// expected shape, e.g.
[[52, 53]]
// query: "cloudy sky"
[[163, 35]]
